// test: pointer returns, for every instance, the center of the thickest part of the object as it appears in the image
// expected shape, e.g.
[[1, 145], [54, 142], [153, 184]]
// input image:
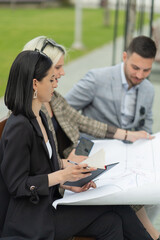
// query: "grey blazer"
[[98, 94]]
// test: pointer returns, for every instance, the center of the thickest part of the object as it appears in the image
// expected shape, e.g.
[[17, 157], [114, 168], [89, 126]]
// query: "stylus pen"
[[72, 162], [75, 163]]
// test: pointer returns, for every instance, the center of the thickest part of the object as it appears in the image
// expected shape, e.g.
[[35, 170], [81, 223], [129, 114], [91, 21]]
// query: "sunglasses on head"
[[52, 43], [42, 53]]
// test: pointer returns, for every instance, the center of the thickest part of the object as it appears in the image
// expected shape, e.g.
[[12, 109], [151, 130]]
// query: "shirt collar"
[[124, 81]]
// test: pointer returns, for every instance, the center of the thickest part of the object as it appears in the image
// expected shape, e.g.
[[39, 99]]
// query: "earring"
[[35, 94]]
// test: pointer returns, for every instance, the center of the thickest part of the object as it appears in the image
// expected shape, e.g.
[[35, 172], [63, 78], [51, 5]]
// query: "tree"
[[105, 4], [106, 13], [130, 21]]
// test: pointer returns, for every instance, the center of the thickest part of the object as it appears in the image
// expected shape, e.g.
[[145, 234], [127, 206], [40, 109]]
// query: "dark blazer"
[[25, 165]]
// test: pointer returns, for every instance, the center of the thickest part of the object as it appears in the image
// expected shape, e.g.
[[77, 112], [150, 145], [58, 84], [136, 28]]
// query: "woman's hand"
[[90, 184], [71, 173], [73, 157], [76, 172]]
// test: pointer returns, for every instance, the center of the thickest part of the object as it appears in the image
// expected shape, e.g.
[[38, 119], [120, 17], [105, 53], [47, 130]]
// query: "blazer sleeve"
[[85, 124], [83, 92], [15, 167]]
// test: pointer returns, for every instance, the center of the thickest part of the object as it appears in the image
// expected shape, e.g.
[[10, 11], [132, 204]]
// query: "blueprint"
[[135, 180]]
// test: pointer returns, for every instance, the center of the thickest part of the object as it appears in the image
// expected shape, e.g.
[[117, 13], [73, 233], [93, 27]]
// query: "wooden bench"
[[2, 124]]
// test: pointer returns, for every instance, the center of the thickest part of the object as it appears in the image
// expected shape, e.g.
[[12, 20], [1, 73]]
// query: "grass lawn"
[[18, 26]]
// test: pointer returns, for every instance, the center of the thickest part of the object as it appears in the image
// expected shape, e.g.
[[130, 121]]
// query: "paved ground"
[[99, 58]]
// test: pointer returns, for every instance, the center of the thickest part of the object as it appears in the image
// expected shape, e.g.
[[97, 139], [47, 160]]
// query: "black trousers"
[[100, 222]]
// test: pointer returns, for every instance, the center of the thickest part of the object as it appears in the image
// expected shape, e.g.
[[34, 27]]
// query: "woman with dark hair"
[[30, 169]]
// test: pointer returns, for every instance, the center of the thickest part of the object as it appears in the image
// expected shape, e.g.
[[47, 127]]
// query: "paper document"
[[96, 160], [135, 180]]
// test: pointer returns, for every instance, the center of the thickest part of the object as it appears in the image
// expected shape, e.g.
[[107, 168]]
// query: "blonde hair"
[[54, 52]]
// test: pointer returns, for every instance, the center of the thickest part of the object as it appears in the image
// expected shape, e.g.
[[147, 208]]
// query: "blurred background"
[[82, 26], [95, 33]]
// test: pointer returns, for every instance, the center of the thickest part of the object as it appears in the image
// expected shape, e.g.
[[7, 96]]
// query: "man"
[[120, 95]]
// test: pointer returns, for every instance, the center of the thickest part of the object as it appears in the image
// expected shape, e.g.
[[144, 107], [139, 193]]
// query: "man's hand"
[[135, 135]]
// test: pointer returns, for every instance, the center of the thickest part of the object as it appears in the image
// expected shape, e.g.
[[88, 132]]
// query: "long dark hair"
[[19, 91]]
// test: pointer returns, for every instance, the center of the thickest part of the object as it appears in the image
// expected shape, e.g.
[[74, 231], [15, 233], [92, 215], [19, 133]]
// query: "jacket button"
[[32, 188]]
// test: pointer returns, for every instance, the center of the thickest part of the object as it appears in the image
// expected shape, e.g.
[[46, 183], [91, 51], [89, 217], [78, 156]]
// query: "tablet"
[[84, 147]]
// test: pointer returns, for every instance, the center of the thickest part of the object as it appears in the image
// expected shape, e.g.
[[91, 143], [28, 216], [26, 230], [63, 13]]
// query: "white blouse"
[[49, 148]]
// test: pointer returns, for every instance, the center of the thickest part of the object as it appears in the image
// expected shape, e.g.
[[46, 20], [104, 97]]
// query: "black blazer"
[[25, 165]]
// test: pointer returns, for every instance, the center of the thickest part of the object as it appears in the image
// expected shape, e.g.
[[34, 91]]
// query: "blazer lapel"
[[50, 125], [63, 123], [54, 159], [140, 101], [117, 91], [40, 135], [57, 106]]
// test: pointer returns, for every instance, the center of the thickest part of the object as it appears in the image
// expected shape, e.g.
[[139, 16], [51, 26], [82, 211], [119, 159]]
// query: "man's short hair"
[[143, 46]]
